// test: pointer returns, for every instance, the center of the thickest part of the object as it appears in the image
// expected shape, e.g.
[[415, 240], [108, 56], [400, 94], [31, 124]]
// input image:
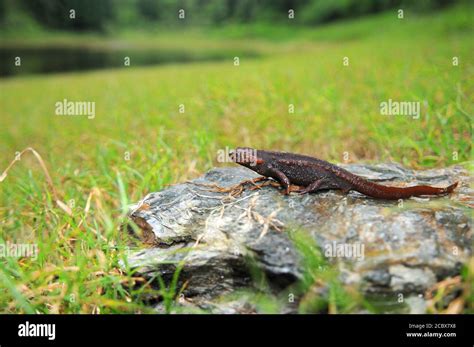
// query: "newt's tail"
[[394, 193], [375, 190]]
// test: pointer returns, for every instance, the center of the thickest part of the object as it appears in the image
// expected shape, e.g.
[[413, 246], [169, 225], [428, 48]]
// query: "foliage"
[[106, 14], [336, 111]]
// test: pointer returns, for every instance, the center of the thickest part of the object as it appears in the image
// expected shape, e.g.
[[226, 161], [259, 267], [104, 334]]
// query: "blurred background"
[[107, 15], [116, 18]]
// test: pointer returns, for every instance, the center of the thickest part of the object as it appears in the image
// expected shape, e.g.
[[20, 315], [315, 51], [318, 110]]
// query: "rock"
[[404, 279], [416, 304], [386, 246]]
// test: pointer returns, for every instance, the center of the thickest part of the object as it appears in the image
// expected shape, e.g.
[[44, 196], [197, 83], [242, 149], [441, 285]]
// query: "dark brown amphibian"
[[315, 174]]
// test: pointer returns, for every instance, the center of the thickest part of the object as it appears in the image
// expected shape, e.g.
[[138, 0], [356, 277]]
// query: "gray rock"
[[387, 246], [416, 304], [404, 279]]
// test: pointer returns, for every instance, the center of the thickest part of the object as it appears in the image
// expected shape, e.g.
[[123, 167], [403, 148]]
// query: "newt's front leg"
[[281, 177]]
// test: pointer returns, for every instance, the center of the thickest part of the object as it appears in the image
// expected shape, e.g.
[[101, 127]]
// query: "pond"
[[44, 60]]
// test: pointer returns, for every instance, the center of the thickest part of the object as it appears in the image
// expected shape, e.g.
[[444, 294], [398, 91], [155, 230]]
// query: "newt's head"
[[247, 157]]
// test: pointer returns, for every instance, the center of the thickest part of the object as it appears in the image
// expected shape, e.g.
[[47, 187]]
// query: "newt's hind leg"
[[322, 183]]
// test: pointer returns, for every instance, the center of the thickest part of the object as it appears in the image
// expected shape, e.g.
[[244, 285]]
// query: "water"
[[63, 59]]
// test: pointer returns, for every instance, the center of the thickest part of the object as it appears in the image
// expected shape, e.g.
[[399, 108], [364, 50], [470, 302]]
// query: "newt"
[[315, 174]]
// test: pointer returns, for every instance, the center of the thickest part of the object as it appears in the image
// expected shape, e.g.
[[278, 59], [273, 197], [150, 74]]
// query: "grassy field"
[[139, 142]]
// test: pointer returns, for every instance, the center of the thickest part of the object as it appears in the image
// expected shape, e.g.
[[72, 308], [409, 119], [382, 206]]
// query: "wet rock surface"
[[385, 247]]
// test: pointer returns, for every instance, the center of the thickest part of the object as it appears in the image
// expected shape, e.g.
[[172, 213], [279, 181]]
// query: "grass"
[[139, 142]]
